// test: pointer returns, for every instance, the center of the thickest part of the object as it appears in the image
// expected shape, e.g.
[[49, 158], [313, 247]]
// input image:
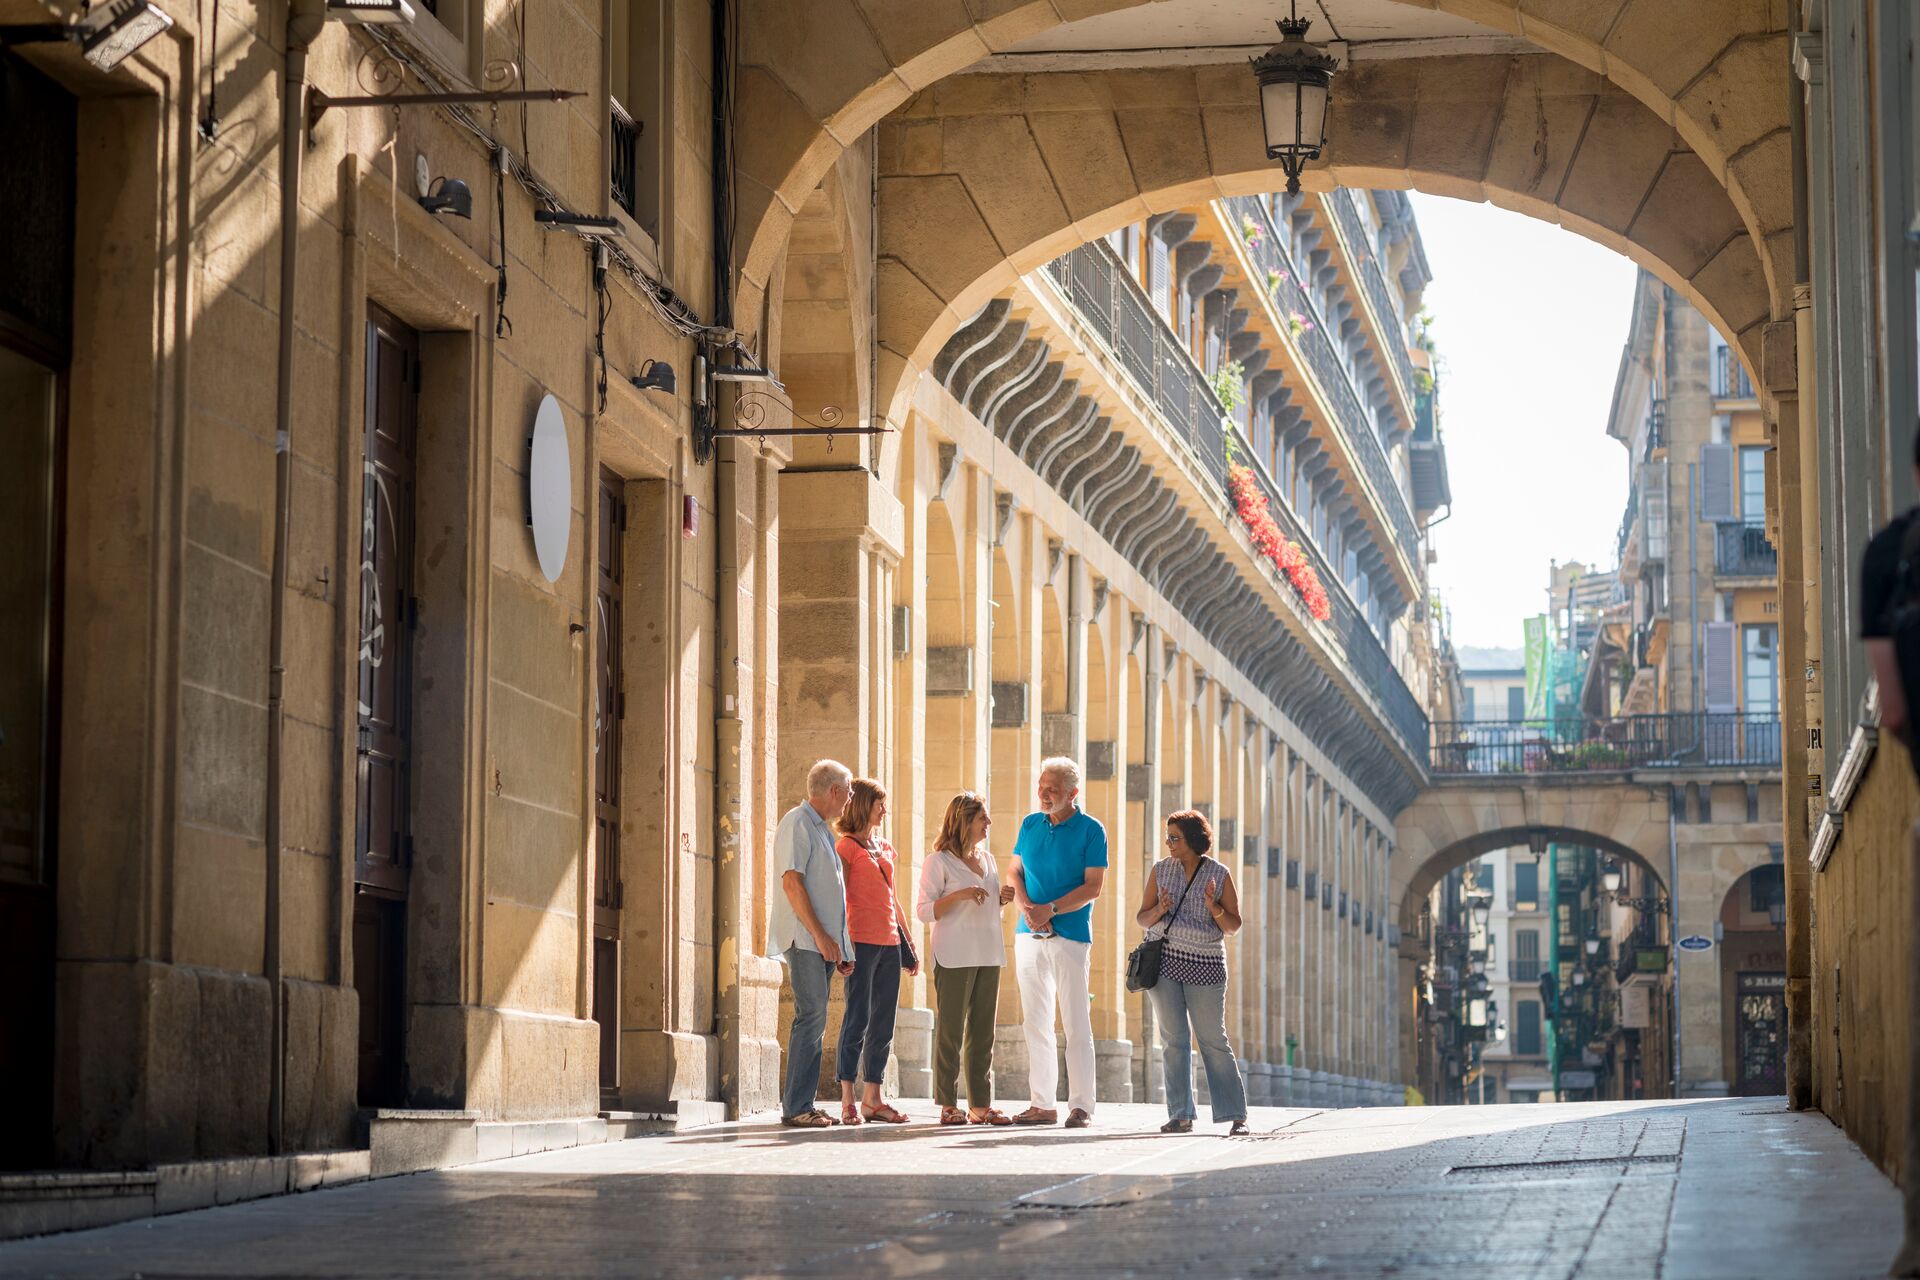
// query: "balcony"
[[1336, 385], [626, 153], [1109, 302], [1579, 745], [1097, 285], [1523, 970], [1730, 381], [1383, 300], [1741, 550]]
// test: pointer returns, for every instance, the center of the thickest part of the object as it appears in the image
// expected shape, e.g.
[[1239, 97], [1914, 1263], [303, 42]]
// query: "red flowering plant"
[[1285, 554]]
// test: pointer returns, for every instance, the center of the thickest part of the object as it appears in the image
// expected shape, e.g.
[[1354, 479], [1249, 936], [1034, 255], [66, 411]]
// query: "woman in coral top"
[[875, 923]]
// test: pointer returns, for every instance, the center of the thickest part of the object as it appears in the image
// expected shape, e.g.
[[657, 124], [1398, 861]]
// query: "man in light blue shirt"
[[1058, 866], [807, 929]]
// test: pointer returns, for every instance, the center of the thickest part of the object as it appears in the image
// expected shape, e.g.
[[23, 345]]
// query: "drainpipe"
[[304, 20], [731, 929], [1673, 939]]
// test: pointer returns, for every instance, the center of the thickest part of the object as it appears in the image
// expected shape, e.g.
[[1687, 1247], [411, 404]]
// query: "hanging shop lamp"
[[1295, 80]]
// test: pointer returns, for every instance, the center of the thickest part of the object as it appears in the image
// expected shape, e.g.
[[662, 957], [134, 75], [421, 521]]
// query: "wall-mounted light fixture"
[[370, 11], [449, 195], [567, 220], [112, 34], [654, 375], [107, 36], [741, 367], [1295, 80], [1610, 877]]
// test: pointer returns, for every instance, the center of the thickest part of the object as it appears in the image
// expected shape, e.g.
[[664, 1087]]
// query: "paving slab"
[[1714, 1188]]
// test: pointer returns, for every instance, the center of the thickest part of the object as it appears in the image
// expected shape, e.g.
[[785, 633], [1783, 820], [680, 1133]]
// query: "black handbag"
[[1143, 962]]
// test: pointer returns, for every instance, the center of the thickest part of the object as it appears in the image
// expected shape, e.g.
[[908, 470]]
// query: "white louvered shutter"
[[1721, 665]]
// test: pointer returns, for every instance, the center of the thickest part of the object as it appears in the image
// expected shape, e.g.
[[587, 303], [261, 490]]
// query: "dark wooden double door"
[[609, 709], [383, 839], [37, 206]]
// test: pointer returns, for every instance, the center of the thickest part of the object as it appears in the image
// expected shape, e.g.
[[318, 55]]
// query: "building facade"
[[440, 827], [628, 562]]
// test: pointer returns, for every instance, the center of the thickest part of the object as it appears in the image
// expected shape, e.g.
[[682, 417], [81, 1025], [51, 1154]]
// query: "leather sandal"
[[1034, 1115], [988, 1115], [1177, 1126], [952, 1116], [1239, 1130], [849, 1113], [884, 1114], [815, 1119]]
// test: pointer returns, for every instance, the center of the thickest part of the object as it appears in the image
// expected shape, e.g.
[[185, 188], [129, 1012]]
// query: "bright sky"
[[1529, 321]]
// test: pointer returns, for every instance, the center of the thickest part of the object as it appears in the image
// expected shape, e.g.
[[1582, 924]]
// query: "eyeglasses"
[[1174, 837]]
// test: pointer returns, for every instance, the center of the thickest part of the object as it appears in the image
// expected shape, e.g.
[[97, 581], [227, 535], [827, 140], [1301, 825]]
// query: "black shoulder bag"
[[1143, 962]]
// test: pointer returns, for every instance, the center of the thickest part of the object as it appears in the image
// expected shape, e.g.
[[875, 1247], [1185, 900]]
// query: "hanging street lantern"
[[1295, 80]]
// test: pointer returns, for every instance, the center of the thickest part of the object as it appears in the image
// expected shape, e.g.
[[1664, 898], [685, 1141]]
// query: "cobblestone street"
[[1736, 1188]]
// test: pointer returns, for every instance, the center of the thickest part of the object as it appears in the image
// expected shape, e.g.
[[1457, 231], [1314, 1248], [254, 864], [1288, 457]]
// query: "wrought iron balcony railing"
[[625, 135], [1385, 302], [1741, 550], [1730, 381], [1351, 420], [1117, 309], [1111, 303], [1523, 970], [1581, 745]]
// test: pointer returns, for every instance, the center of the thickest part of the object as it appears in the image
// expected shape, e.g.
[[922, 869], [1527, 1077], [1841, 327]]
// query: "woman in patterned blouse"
[[1192, 899]]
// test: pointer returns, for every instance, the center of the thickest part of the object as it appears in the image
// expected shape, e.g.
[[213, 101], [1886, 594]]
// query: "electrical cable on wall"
[[671, 309], [502, 327]]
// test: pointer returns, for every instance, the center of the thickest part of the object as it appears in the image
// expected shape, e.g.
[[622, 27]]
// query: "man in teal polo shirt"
[[1058, 865]]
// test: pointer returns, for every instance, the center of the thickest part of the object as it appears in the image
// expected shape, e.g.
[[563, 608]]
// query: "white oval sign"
[[550, 489]]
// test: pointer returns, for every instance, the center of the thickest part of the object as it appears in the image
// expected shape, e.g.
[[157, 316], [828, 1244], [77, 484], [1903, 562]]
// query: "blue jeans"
[[1176, 1005], [873, 998], [812, 979]]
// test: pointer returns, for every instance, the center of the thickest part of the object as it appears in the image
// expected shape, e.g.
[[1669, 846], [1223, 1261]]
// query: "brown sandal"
[[988, 1116], [952, 1115], [815, 1119], [884, 1114]]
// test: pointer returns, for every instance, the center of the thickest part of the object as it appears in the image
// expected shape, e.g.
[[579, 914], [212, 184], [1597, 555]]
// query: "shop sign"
[[1636, 1006], [1695, 942]]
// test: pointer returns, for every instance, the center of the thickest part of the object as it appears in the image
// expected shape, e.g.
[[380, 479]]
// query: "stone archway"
[[1449, 826], [987, 176], [819, 76]]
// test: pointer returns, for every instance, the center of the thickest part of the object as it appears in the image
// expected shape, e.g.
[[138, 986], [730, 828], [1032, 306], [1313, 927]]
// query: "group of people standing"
[[839, 912]]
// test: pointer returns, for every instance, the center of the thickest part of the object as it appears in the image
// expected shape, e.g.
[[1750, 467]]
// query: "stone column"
[[1255, 893], [841, 535], [1278, 769], [1116, 1034]]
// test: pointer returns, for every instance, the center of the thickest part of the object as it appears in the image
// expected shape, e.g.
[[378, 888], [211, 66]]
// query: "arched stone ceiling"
[[986, 176], [815, 77]]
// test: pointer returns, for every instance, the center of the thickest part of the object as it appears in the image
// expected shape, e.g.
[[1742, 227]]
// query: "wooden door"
[[38, 171], [382, 838], [609, 708]]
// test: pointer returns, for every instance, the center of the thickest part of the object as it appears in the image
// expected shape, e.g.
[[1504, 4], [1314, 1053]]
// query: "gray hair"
[[826, 775], [1066, 768]]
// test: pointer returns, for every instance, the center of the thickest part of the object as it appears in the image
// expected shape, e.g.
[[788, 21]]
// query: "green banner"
[[1537, 673]]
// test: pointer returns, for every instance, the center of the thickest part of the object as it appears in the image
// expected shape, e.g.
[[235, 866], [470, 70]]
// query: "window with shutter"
[[1526, 1029], [1653, 505], [1718, 497], [1720, 665]]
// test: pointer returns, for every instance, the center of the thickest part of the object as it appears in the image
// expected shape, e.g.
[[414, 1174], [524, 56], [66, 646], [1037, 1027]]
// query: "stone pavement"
[[1736, 1188]]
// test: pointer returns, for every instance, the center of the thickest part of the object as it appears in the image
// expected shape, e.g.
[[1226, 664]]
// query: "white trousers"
[[1049, 970]]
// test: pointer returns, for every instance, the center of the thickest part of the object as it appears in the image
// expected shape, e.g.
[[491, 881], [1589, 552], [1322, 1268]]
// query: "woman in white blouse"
[[961, 897]]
